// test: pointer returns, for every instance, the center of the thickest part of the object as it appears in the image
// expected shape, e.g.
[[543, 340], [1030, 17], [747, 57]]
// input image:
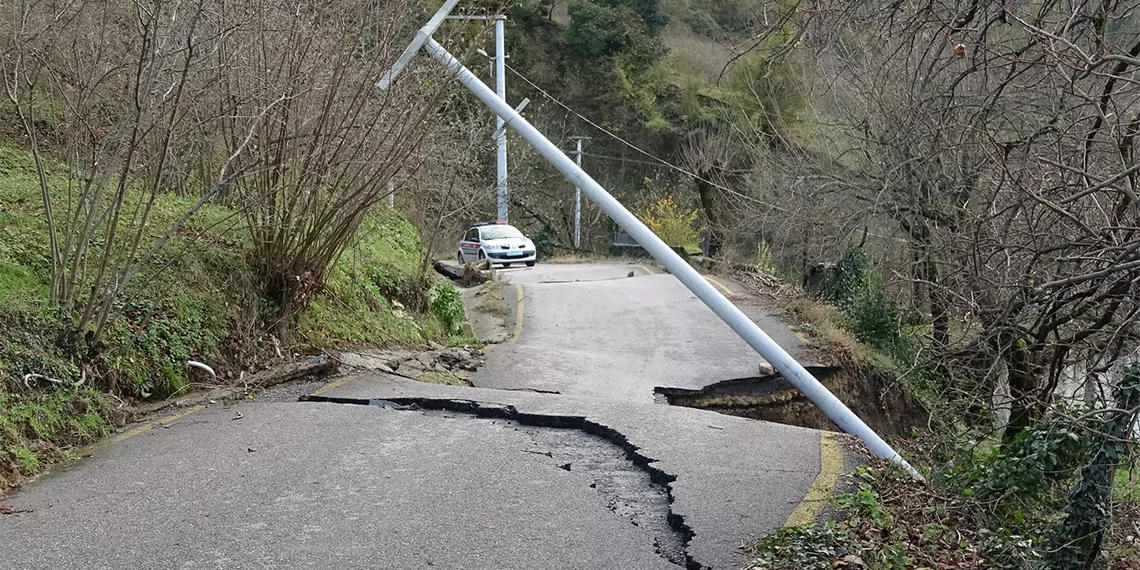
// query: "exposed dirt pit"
[[876, 398]]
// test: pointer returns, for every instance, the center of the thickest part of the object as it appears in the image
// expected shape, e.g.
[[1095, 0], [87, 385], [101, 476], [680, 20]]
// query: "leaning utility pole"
[[578, 200], [732, 316]]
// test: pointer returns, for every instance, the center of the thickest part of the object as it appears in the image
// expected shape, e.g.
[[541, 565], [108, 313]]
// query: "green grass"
[[492, 299], [27, 459], [1122, 488], [464, 340], [200, 298], [38, 428], [382, 266]]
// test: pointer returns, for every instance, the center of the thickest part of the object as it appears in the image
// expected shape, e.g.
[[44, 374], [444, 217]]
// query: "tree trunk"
[[1024, 404], [1079, 539], [707, 195]]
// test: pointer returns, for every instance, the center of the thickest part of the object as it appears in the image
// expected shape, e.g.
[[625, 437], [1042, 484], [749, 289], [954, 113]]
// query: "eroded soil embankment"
[[874, 396]]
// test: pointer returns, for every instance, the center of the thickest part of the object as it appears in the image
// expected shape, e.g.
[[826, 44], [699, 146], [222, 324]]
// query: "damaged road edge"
[[507, 412]]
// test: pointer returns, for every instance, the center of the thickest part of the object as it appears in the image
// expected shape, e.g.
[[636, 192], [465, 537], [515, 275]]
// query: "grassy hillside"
[[199, 299]]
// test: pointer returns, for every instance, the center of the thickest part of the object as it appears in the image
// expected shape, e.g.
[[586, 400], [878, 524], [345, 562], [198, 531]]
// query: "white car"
[[498, 243]]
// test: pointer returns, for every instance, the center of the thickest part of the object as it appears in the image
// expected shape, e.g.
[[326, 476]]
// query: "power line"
[[647, 162], [657, 161]]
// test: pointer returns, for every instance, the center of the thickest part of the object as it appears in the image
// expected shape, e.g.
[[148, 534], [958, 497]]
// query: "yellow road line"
[[823, 487], [519, 308], [91, 449], [646, 269], [728, 292]]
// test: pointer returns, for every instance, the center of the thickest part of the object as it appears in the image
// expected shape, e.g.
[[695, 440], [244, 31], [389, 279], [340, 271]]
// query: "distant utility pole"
[[500, 130], [578, 200], [391, 194]]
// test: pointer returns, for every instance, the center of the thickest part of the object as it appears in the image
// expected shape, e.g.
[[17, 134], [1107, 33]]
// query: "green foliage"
[[596, 30], [28, 460], [464, 340], [675, 225], [857, 289], [1026, 476], [701, 22], [651, 13], [15, 280], [447, 306], [376, 293], [29, 343], [39, 424], [156, 338], [796, 548], [199, 299], [767, 91], [863, 503], [764, 259], [849, 278]]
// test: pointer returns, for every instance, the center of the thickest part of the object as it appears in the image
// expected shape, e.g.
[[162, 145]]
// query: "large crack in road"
[[630, 485]]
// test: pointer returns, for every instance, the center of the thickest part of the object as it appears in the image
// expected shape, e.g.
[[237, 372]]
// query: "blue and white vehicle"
[[498, 243]]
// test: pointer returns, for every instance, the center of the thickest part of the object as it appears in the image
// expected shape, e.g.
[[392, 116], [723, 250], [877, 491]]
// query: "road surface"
[[592, 330], [385, 472]]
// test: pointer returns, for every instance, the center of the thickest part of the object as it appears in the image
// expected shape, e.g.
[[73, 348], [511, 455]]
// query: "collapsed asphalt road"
[[433, 476]]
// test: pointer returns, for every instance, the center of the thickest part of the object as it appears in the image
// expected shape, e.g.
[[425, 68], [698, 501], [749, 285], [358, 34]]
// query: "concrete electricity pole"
[[578, 200], [501, 89], [501, 191]]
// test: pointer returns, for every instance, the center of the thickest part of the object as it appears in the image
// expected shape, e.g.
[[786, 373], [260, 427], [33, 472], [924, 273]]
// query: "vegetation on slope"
[[199, 300]]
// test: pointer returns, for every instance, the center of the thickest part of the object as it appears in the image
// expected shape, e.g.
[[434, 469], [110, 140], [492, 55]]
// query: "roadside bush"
[[856, 287], [447, 306], [675, 225]]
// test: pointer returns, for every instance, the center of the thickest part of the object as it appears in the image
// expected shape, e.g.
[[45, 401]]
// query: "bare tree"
[[995, 141], [125, 81], [331, 142]]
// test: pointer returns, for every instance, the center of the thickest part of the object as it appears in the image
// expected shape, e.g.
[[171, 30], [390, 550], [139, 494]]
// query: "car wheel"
[[460, 257], [531, 263], [482, 255]]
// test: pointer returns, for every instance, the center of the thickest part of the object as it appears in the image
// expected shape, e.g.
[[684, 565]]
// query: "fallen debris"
[[455, 362], [467, 275]]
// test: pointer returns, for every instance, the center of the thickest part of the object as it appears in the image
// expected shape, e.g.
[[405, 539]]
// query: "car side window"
[[472, 235]]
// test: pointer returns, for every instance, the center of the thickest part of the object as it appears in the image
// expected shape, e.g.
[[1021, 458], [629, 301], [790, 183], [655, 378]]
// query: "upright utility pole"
[[500, 73], [578, 201], [501, 90]]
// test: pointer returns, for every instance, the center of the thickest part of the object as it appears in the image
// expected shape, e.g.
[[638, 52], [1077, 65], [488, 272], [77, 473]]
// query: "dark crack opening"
[[629, 483], [870, 394]]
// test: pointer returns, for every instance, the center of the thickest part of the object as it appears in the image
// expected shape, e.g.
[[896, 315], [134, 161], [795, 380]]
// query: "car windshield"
[[500, 232]]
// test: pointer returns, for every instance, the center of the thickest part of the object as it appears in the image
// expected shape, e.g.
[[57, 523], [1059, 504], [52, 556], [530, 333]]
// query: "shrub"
[[857, 289], [675, 226], [447, 306]]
